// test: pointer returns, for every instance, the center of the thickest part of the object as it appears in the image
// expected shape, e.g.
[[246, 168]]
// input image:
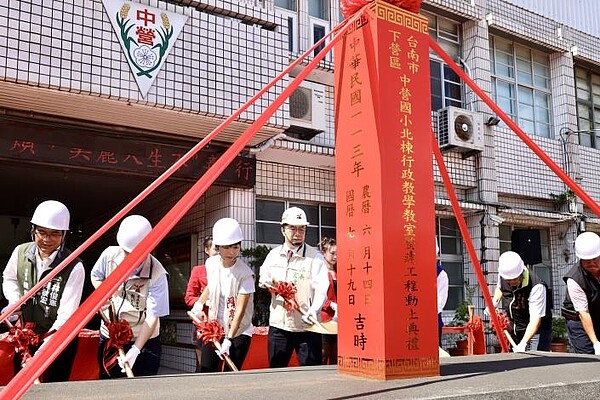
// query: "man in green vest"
[[51, 306]]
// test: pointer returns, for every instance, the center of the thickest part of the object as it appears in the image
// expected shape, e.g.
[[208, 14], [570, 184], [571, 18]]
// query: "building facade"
[[75, 126]]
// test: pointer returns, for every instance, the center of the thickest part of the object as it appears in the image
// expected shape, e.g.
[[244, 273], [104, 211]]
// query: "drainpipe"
[[471, 95], [267, 143]]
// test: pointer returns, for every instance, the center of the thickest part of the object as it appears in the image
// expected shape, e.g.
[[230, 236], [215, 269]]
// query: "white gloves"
[[198, 309], [225, 346], [334, 308], [597, 348], [11, 318], [130, 358], [521, 347], [310, 314]]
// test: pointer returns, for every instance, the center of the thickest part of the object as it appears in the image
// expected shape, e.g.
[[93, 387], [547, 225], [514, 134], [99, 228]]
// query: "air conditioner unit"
[[460, 130], [307, 110]]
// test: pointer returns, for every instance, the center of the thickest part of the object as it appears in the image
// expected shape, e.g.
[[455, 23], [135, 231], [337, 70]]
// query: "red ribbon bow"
[[503, 321], [475, 324], [287, 290], [23, 338], [209, 331], [119, 334]]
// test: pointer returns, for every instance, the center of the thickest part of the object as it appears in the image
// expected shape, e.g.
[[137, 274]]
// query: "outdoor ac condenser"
[[460, 130]]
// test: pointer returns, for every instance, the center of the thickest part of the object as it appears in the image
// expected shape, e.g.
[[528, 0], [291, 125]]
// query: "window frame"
[[543, 269], [452, 259], [446, 76], [313, 22], [515, 80], [322, 228], [292, 27], [591, 130]]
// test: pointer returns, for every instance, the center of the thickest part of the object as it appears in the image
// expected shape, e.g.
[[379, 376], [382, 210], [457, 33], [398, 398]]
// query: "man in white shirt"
[[50, 308], [525, 300], [581, 307], [304, 266], [141, 300]]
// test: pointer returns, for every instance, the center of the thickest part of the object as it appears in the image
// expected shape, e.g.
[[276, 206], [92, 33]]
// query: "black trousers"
[[60, 369], [146, 364], [282, 343], [545, 337], [210, 361], [579, 339]]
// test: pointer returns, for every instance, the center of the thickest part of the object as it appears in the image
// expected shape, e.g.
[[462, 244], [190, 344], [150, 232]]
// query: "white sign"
[[146, 34]]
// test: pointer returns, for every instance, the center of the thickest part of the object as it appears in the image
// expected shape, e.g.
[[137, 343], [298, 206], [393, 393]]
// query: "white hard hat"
[[510, 265], [51, 214], [587, 246], [131, 232], [227, 231], [294, 216]]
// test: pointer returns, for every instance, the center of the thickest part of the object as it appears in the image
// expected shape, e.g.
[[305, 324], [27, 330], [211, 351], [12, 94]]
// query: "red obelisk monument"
[[385, 199]]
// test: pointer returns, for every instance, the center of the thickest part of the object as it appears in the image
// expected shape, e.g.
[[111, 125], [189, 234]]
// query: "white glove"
[[310, 314], [334, 307], [198, 309], [597, 348], [521, 347], [487, 312], [11, 318], [225, 346], [130, 358]]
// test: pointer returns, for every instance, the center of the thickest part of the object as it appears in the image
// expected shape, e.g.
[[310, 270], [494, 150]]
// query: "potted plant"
[[563, 198], [559, 335], [462, 316]]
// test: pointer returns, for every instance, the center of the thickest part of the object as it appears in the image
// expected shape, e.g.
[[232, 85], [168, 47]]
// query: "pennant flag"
[[146, 34]]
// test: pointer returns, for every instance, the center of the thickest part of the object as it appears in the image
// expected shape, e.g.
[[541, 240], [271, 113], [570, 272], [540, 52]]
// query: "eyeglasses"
[[54, 235], [296, 229]]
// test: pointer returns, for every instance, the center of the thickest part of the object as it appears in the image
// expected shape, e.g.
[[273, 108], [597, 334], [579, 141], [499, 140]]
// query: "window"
[[318, 33], [542, 270], [288, 10], [177, 257], [521, 85], [318, 16], [451, 257], [318, 9], [268, 216], [317, 25], [587, 86], [287, 4], [446, 88]]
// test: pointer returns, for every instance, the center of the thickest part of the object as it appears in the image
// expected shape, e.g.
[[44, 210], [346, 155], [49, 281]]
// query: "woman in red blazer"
[[195, 286], [329, 311]]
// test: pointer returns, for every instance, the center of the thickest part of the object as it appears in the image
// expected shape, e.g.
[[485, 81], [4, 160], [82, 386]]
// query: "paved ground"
[[533, 375]]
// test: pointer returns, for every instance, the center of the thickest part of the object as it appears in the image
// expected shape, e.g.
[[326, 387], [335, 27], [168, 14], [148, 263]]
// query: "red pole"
[[515, 128], [59, 340], [464, 231]]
